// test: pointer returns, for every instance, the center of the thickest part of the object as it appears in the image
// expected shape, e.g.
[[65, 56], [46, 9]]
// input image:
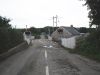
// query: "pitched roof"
[[72, 30]]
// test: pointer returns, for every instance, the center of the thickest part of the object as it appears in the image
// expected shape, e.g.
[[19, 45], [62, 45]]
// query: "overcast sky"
[[39, 13]]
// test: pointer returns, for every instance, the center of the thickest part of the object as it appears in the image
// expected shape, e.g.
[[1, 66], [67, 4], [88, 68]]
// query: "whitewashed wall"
[[28, 39], [49, 38], [69, 42]]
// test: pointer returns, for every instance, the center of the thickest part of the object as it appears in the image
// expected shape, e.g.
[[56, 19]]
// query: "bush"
[[37, 36], [9, 38], [89, 46]]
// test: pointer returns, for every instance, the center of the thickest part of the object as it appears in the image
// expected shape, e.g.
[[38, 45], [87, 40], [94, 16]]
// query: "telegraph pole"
[[56, 20], [53, 22], [26, 27], [15, 26], [49, 31]]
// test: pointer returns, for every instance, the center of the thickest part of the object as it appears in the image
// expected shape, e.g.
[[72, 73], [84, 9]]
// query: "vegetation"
[[83, 30], [90, 46], [94, 12], [45, 31], [8, 37]]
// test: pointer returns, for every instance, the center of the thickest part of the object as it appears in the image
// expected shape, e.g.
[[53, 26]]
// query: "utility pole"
[[15, 26], [49, 31], [53, 23], [56, 20], [26, 27]]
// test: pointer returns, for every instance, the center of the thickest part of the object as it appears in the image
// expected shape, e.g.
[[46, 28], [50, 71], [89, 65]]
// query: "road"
[[48, 58]]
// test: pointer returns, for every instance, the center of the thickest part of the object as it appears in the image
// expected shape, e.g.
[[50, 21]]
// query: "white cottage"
[[64, 32]]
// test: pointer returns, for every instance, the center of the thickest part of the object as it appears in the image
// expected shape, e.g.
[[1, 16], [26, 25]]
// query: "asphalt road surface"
[[48, 58]]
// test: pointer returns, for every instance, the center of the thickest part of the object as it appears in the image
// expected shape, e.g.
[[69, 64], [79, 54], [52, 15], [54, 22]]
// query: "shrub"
[[9, 38], [89, 46]]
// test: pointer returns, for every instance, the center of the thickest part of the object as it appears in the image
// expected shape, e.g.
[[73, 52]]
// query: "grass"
[[86, 48]]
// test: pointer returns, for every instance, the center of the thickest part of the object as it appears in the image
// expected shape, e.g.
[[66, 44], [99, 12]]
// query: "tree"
[[94, 12], [4, 22], [8, 37], [83, 30]]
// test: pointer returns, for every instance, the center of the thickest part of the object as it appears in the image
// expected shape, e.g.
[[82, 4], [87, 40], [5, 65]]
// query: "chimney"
[[71, 25]]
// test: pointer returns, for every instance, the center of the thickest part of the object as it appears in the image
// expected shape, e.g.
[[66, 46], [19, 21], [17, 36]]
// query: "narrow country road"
[[48, 58]]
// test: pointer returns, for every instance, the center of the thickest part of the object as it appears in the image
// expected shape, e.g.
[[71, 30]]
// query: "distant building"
[[64, 32]]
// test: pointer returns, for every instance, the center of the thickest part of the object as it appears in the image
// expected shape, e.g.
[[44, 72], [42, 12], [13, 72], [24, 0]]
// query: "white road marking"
[[45, 46], [47, 70], [45, 54]]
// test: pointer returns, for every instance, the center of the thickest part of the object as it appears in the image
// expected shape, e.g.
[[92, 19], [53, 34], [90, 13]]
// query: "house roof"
[[72, 30]]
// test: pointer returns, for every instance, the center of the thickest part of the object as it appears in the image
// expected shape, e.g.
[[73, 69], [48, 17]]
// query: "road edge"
[[14, 50]]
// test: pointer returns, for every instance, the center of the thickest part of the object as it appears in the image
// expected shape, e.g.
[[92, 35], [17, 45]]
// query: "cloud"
[[37, 12]]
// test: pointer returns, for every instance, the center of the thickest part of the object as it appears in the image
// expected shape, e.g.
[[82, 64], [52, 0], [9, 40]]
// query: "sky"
[[39, 13]]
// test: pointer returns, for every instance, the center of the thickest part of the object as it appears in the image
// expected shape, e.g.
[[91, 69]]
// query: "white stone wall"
[[49, 38], [27, 38], [69, 42]]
